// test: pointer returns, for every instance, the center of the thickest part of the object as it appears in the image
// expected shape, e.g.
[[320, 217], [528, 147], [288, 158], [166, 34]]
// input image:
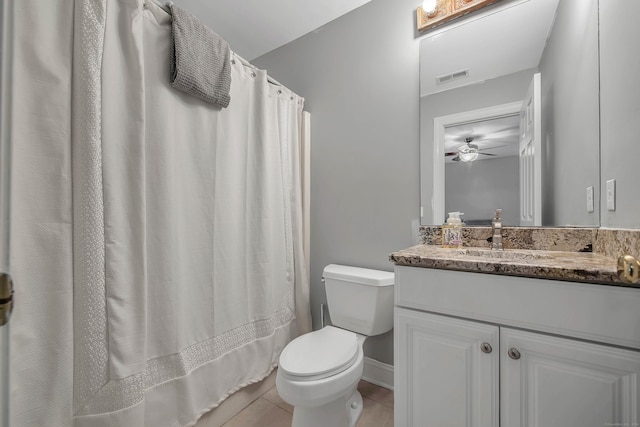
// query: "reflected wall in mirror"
[[476, 184], [489, 60]]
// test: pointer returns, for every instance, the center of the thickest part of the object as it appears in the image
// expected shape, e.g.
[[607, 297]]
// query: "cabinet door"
[[564, 382], [442, 375]]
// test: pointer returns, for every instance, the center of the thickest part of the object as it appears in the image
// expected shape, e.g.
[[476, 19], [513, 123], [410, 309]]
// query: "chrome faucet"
[[496, 225]]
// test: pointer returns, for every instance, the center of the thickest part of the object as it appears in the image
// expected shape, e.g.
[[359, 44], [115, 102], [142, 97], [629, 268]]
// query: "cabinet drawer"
[[607, 314]]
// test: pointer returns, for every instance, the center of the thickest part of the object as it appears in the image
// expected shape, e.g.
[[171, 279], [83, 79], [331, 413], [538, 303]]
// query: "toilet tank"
[[359, 299]]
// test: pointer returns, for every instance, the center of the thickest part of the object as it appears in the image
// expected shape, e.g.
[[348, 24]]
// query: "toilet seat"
[[319, 354]]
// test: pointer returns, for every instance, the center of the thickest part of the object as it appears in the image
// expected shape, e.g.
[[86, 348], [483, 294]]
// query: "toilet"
[[318, 372]]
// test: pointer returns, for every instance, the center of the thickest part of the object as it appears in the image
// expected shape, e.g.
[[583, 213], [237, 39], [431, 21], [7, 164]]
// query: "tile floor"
[[271, 411]]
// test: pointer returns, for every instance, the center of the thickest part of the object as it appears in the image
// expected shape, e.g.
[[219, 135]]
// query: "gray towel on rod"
[[199, 59]]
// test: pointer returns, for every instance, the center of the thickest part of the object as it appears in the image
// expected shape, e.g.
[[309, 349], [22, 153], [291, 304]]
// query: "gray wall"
[[479, 188], [501, 90], [620, 110], [359, 75], [570, 115]]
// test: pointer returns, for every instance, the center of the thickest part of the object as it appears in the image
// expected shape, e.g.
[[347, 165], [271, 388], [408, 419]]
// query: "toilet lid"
[[320, 353]]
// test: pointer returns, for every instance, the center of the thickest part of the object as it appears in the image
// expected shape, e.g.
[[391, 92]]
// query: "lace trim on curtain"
[[90, 318], [128, 391]]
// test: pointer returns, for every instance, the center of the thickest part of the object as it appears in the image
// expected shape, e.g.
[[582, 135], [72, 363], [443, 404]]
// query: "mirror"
[[475, 73]]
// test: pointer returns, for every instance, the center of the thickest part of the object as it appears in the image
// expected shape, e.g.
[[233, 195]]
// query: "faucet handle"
[[496, 224]]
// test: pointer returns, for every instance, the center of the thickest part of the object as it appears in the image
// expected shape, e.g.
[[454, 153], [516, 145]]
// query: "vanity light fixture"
[[437, 12], [430, 7]]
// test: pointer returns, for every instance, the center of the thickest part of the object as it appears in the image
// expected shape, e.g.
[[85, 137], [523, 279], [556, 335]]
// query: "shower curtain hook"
[[169, 4]]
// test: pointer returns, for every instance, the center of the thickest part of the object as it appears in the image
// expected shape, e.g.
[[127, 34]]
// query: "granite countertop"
[[586, 267]]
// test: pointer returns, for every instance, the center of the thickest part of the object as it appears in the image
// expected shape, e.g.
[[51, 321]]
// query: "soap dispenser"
[[452, 231]]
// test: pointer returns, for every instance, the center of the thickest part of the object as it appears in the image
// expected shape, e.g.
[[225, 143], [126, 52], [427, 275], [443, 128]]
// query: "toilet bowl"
[[319, 372], [324, 391]]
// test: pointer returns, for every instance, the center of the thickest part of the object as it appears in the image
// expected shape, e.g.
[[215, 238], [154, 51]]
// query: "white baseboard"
[[378, 373]]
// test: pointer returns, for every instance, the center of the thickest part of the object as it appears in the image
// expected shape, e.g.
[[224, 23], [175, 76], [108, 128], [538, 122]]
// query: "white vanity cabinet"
[[443, 378], [486, 350], [553, 381]]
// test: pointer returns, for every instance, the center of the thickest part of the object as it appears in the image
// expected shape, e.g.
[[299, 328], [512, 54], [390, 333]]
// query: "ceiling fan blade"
[[453, 153], [491, 148], [487, 154]]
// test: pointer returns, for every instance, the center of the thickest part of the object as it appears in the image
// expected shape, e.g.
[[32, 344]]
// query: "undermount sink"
[[511, 254]]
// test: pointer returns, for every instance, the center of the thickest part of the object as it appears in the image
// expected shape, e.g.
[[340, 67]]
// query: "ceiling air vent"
[[451, 77]]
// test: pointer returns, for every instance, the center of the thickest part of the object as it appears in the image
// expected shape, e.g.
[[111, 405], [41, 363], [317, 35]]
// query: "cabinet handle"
[[486, 347], [514, 354]]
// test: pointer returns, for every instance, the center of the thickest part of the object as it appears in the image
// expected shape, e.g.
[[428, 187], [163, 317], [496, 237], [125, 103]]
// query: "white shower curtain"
[[156, 241]]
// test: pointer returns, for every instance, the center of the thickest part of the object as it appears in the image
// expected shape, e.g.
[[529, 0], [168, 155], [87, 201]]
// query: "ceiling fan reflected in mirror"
[[468, 152]]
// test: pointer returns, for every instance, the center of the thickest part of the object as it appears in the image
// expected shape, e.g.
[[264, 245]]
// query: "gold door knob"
[[629, 269], [6, 298]]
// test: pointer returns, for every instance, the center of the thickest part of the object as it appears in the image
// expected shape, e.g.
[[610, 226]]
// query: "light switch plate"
[[590, 199], [611, 195]]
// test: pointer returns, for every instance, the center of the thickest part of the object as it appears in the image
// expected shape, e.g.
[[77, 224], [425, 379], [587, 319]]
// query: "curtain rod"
[[250, 65], [167, 8]]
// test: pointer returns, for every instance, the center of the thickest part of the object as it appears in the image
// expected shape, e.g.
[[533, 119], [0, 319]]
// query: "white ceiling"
[[256, 27], [503, 39]]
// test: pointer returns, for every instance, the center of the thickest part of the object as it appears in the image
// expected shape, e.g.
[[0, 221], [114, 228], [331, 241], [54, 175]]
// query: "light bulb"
[[468, 153], [429, 6], [468, 157]]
